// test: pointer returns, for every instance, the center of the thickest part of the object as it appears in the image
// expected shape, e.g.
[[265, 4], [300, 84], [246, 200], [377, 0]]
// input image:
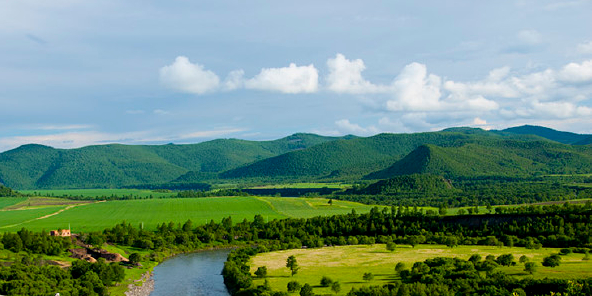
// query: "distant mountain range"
[[453, 152]]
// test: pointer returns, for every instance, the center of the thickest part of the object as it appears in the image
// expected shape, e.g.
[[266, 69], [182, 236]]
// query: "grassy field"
[[347, 264], [95, 216], [9, 201], [98, 193]]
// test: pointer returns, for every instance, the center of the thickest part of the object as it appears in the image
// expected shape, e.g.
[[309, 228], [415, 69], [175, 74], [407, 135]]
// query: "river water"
[[197, 273]]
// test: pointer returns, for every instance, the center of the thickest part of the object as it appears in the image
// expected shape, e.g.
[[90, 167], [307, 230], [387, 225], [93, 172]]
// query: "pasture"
[[83, 216], [347, 264]]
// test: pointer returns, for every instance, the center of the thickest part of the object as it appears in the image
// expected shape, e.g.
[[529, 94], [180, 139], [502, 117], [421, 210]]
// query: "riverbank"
[[144, 289]]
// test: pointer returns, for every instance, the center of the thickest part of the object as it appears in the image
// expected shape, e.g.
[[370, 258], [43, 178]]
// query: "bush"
[[552, 261], [294, 286], [326, 281], [261, 272]]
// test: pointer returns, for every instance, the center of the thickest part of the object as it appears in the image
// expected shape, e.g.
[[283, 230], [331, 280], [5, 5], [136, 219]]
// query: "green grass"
[[347, 264], [98, 192], [151, 212], [9, 201], [16, 219]]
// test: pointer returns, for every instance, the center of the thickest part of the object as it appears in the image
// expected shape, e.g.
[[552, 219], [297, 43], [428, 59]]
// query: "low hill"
[[115, 165], [416, 183], [358, 157], [551, 134], [492, 158]]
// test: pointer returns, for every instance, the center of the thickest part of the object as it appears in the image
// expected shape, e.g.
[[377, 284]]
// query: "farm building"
[[60, 232]]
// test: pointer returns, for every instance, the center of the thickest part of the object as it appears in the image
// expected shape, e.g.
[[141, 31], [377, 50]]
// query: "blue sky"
[[75, 73]]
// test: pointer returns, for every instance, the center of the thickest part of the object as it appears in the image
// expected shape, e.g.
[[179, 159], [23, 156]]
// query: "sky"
[[76, 73]]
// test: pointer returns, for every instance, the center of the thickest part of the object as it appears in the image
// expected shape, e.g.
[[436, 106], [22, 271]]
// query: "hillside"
[[551, 134], [115, 165], [492, 158], [358, 157], [425, 183]]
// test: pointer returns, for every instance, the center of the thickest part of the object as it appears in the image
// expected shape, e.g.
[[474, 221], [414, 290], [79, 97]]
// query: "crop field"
[[347, 264], [95, 216], [98, 193]]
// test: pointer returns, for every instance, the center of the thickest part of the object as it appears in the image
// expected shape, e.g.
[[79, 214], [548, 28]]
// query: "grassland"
[[347, 264], [98, 193], [9, 201], [96, 216]]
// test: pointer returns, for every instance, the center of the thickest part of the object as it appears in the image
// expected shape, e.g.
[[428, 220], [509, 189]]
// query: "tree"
[[523, 259], [306, 290], [586, 255], [261, 272], [399, 267], [134, 258], [505, 260], [330, 202], [451, 241], [391, 246], [294, 286], [292, 264], [552, 261], [336, 287], [326, 281], [368, 276], [530, 267]]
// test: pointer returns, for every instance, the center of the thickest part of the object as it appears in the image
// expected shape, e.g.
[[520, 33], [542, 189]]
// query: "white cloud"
[[187, 77], [345, 76], [414, 90], [574, 72], [479, 121], [585, 48], [160, 112], [292, 79], [347, 127]]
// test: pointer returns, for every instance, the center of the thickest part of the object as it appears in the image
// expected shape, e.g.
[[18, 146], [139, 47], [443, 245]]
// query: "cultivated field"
[[96, 216], [347, 264]]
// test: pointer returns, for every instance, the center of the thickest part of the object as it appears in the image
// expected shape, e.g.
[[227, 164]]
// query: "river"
[[197, 273]]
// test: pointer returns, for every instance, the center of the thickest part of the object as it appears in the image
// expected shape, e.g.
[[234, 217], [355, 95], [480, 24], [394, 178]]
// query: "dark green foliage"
[[292, 264], [505, 260], [306, 290], [35, 242], [552, 261], [7, 192], [336, 287], [135, 258], [294, 286], [530, 267], [407, 184], [368, 276], [326, 281], [261, 272]]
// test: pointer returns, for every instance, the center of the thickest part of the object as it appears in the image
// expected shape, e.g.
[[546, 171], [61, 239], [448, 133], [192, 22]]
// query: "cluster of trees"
[[83, 278], [34, 242], [427, 190], [7, 192], [452, 276]]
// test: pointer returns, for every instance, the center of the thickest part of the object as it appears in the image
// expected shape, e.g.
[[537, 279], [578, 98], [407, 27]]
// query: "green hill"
[[551, 134], [416, 183], [36, 166], [358, 157], [492, 158]]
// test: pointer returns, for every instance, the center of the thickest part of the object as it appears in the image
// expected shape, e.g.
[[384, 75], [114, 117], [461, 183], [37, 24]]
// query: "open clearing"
[[347, 264], [97, 216]]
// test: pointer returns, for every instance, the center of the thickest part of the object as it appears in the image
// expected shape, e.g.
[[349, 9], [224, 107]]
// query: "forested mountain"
[[451, 153], [492, 158], [551, 134], [363, 156], [115, 165]]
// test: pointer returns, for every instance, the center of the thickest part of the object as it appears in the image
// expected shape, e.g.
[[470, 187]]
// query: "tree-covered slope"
[[415, 183], [492, 158], [36, 166], [352, 157], [551, 134]]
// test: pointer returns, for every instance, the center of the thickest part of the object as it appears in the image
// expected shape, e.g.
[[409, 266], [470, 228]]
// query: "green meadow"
[[347, 264], [83, 216]]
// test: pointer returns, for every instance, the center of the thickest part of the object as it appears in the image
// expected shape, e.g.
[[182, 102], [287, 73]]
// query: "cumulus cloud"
[[292, 79], [345, 76], [574, 72], [182, 75], [415, 90], [234, 80]]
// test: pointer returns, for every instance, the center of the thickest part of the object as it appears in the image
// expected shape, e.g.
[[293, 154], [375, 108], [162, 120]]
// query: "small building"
[[60, 232]]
